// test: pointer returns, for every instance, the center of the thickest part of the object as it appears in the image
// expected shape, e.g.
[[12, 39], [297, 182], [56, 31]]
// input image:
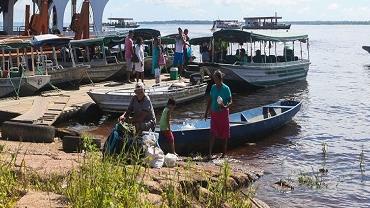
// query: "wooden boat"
[[103, 64], [118, 100], [60, 75], [366, 48], [259, 67], [193, 136], [19, 78]]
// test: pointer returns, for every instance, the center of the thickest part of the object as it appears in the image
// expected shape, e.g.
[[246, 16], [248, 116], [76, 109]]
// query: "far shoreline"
[[206, 22]]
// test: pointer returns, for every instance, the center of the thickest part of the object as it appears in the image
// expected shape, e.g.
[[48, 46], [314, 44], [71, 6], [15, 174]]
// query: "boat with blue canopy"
[[246, 126]]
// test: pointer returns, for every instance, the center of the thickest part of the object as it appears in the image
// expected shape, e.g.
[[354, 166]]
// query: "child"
[[165, 124]]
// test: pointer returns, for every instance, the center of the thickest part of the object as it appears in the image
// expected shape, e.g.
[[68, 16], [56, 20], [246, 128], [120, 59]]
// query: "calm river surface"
[[335, 112]]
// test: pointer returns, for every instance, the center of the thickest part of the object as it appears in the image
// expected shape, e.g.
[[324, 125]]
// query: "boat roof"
[[106, 40], [12, 44], [200, 40], [49, 40], [146, 34], [239, 36], [258, 18], [120, 18], [226, 21]]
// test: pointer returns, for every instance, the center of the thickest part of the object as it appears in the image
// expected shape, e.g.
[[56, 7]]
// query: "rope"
[[16, 90], [88, 76]]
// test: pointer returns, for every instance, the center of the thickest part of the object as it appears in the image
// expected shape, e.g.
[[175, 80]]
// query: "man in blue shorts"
[[179, 51]]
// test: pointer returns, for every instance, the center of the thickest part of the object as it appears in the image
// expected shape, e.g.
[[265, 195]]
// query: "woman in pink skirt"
[[218, 104]]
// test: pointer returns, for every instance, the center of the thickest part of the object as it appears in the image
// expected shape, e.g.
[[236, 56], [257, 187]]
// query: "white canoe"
[[118, 100]]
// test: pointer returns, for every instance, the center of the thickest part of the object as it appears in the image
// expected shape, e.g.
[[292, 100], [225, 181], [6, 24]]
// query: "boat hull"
[[366, 48], [99, 73], [25, 85], [196, 140], [118, 102], [264, 74], [68, 75]]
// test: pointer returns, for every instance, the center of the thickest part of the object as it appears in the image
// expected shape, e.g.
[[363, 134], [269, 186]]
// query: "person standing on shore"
[[187, 49], [155, 58], [129, 52], [218, 104], [165, 126], [179, 51], [139, 65]]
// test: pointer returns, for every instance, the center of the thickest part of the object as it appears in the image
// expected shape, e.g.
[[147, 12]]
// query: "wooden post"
[[285, 52], [87, 53], [72, 52], [33, 61], [293, 52], [25, 58], [104, 55], [121, 52], [213, 50], [269, 48], [43, 61], [276, 56], [308, 49], [264, 51], [10, 59], [18, 61], [55, 57], [3, 52], [251, 50]]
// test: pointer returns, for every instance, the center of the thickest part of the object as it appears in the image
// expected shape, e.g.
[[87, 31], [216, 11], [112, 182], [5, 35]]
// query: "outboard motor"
[[196, 78]]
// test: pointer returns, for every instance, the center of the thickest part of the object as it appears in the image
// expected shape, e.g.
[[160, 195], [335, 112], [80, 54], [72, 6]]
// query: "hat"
[[139, 86]]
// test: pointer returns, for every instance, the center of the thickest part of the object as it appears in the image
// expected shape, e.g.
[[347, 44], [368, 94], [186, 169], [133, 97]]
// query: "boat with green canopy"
[[17, 69], [52, 64], [246, 57], [98, 53]]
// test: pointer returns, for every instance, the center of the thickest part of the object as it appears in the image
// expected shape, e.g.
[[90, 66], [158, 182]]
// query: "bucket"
[[174, 73]]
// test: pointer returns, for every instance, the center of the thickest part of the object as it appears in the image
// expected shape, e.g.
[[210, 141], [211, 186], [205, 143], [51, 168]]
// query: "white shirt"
[[179, 45], [139, 50]]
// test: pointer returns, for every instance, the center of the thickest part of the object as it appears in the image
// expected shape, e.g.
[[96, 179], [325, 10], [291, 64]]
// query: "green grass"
[[117, 181], [312, 180]]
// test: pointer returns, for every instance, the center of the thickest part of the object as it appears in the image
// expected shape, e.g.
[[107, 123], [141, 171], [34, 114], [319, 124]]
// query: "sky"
[[290, 10]]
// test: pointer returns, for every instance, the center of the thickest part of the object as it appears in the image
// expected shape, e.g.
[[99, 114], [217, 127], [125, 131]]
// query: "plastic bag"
[[155, 156], [170, 160]]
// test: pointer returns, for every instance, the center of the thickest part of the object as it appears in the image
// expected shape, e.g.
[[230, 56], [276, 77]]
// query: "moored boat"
[[366, 48], [226, 24], [17, 75], [97, 53], [246, 126], [118, 100], [61, 75], [258, 66], [265, 23]]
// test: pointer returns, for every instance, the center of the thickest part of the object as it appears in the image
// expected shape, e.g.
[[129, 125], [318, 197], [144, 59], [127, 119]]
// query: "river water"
[[335, 115]]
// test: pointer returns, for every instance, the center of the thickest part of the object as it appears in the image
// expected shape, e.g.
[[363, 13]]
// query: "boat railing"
[[162, 91]]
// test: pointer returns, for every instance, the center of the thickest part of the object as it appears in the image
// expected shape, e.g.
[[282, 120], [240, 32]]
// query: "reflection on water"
[[335, 112]]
